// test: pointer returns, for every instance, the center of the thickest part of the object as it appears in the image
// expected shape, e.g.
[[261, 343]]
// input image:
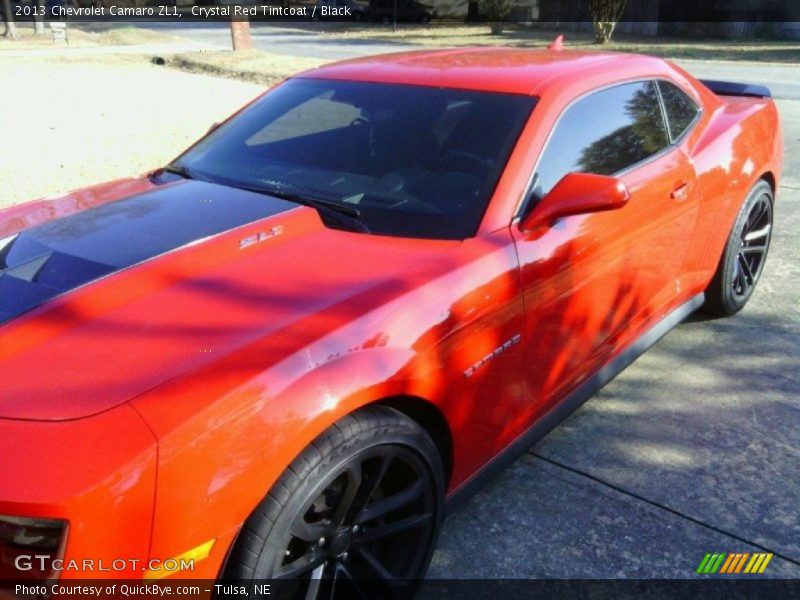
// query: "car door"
[[591, 282]]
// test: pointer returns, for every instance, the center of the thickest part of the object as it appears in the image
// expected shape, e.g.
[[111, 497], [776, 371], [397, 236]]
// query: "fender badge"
[[261, 236], [493, 354]]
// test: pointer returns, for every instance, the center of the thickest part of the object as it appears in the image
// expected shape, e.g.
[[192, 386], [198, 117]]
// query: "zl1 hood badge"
[[261, 236]]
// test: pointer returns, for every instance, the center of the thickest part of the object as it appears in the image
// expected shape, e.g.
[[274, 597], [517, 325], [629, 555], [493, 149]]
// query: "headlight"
[[28, 546]]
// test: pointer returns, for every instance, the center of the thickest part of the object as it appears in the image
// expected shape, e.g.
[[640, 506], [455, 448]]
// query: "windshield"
[[410, 161]]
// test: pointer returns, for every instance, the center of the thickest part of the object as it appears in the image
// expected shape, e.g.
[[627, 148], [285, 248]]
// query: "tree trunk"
[[496, 27], [240, 35], [603, 30], [38, 20], [8, 17], [605, 15]]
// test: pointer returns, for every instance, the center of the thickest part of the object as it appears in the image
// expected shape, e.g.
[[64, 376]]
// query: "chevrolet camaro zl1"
[[287, 353]]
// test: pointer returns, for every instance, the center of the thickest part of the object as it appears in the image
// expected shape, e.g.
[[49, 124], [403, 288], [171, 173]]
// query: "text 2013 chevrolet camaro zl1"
[[284, 354]]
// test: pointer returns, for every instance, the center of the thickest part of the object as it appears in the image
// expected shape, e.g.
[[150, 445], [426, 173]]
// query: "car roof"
[[495, 69]]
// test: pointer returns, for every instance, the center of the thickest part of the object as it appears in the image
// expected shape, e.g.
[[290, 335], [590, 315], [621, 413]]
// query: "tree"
[[8, 17], [496, 11], [605, 15]]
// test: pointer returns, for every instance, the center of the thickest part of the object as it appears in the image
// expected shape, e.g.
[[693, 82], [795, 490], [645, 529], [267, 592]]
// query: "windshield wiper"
[[347, 215], [185, 172]]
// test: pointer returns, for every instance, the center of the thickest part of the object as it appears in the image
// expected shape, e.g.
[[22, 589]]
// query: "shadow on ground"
[[704, 424]]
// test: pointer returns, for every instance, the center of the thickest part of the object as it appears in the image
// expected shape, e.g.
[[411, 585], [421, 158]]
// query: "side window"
[[681, 110], [603, 133]]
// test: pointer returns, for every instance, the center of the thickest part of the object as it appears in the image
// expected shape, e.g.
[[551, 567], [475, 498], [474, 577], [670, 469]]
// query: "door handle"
[[681, 192]]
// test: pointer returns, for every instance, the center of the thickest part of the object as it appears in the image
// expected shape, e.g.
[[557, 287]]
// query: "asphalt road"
[[695, 448], [289, 42]]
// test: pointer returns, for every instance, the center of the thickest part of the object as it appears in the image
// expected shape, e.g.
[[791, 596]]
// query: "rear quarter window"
[[680, 108]]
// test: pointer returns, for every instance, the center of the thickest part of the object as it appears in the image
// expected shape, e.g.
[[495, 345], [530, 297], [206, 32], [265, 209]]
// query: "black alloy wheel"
[[365, 529], [355, 516], [745, 254], [753, 239]]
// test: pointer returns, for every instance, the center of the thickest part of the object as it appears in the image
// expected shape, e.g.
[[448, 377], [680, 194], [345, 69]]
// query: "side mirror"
[[577, 194]]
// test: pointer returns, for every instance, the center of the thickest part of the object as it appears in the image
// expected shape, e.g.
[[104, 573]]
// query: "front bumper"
[[98, 474]]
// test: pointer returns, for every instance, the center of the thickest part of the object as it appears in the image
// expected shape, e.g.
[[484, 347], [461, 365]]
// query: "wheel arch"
[[421, 412], [769, 177], [424, 412], [378, 385]]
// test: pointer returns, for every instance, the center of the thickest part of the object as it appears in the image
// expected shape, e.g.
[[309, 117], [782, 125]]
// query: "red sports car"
[[288, 353]]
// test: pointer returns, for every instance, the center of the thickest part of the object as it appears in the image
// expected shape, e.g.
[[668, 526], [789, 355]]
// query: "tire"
[[744, 256], [371, 461]]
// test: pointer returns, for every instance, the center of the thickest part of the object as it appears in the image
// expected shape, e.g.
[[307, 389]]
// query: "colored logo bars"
[[735, 562]]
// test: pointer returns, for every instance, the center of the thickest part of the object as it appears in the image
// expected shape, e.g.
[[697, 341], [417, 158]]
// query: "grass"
[[254, 66], [85, 36]]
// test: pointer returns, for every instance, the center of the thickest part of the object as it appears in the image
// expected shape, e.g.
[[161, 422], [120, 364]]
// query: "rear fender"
[[740, 143]]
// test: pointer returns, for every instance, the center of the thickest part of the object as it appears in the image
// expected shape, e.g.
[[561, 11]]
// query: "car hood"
[[100, 306]]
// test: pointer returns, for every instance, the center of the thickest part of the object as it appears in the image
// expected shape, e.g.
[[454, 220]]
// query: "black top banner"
[[419, 11]]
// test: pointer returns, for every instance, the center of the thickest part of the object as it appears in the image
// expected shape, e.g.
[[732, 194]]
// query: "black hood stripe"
[[59, 256]]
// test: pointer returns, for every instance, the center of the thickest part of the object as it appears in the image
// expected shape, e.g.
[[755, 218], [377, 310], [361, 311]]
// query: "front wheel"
[[744, 256], [357, 514]]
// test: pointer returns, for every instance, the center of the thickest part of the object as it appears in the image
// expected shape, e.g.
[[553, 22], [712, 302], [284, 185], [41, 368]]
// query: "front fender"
[[219, 454], [345, 384]]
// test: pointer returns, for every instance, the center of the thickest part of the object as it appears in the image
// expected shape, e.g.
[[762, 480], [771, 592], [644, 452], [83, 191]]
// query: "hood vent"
[[31, 275], [50, 259]]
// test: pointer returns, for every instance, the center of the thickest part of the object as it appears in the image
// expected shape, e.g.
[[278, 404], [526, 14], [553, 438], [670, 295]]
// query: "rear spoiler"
[[729, 88]]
